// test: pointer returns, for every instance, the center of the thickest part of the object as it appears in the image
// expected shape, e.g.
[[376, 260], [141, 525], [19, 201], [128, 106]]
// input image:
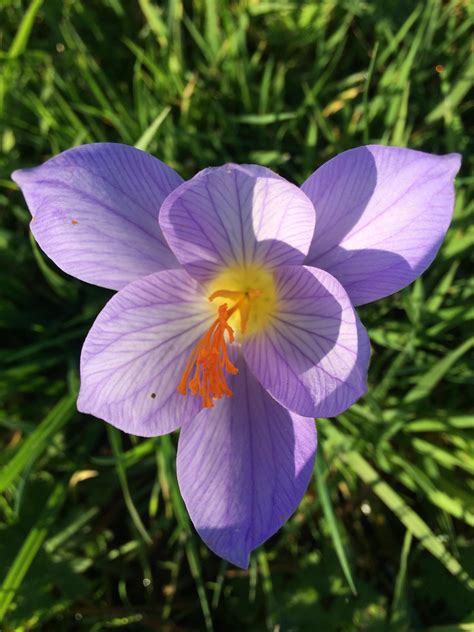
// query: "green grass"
[[93, 530]]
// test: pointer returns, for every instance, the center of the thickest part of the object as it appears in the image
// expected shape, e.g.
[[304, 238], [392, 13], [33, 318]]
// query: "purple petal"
[[95, 211], [243, 467], [313, 357], [382, 213], [136, 351], [237, 214]]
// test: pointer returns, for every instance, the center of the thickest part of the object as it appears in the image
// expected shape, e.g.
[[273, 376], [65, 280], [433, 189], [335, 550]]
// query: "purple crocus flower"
[[234, 317]]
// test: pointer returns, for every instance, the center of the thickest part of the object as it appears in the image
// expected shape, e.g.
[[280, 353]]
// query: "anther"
[[205, 371], [210, 361]]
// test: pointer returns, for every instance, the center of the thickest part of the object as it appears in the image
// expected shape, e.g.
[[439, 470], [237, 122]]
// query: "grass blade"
[[30, 548], [325, 498], [400, 582], [184, 523], [429, 381], [38, 441], [407, 516], [116, 444], [148, 135], [22, 36]]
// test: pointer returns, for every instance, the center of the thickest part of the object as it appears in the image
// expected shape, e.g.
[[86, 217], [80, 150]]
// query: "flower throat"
[[253, 294]]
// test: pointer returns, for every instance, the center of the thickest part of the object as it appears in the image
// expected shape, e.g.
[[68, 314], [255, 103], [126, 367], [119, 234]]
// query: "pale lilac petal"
[[136, 351], [313, 357], [243, 467], [237, 214], [95, 212], [382, 213]]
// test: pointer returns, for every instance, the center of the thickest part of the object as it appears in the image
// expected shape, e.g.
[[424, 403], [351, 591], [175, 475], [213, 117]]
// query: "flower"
[[234, 317]]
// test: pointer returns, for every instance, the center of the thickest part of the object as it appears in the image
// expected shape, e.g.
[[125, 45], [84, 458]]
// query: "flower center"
[[252, 292]]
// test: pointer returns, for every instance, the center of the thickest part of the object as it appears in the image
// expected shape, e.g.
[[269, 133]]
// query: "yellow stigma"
[[248, 300], [256, 287]]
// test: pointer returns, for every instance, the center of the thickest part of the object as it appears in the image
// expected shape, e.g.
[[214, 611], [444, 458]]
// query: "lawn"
[[93, 531]]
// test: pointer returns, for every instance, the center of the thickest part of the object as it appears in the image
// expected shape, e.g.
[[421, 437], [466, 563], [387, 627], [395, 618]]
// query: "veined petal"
[[243, 467], [240, 214], [313, 357], [136, 352], [382, 216], [95, 212]]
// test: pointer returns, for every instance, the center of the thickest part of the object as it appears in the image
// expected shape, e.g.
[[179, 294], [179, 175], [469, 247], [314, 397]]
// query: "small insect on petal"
[[74, 221]]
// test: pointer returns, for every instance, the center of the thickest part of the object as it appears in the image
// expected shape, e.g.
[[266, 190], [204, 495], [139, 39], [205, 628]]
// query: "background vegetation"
[[93, 532]]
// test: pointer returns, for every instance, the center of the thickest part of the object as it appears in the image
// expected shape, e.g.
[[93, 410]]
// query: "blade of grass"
[[407, 516], [400, 582], [22, 36], [461, 627], [116, 444], [430, 379], [29, 549], [325, 498], [216, 595], [184, 523], [38, 441], [149, 134], [368, 79], [267, 589]]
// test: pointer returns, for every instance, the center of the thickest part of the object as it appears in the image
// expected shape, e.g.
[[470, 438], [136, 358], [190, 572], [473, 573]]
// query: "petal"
[[136, 352], [95, 211], [243, 467], [382, 215], [313, 357], [237, 214]]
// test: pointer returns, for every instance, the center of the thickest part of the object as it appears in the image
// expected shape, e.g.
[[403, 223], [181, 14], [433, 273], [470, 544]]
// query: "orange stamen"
[[210, 360]]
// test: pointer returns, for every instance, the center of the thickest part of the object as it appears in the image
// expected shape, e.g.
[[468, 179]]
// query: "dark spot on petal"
[[153, 395]]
